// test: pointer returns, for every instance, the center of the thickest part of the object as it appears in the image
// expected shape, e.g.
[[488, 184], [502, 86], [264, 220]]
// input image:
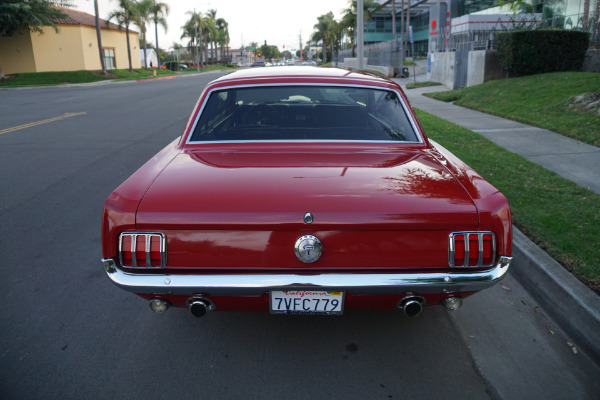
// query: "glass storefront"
[[563, 14]]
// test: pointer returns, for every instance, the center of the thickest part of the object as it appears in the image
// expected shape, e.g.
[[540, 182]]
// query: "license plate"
[[307, 302]]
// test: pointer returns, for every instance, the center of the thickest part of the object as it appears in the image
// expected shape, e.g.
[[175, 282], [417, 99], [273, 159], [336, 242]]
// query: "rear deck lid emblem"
[[308, 248], [308, 218]]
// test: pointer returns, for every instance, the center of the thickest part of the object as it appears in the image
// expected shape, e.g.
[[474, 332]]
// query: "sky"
[[279, 22]]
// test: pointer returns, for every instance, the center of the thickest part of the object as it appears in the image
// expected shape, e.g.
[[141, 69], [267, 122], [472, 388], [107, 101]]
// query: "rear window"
[[304, 113]]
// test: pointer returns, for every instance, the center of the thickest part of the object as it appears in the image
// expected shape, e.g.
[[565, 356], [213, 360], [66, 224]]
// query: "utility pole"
[[300, 39], [407, 24], [360, 27], [394, 19], [402, 36]]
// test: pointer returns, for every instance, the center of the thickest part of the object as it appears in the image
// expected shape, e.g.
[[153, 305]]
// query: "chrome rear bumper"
[[257, 284]]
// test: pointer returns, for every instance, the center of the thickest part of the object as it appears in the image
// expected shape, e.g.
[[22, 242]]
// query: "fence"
[[386, 54]]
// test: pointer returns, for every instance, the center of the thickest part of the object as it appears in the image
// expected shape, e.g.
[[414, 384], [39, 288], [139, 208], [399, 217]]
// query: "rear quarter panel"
[[492, 206], [121, 205]]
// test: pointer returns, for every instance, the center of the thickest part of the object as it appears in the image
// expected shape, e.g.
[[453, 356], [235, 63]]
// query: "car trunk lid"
[[245, 208]]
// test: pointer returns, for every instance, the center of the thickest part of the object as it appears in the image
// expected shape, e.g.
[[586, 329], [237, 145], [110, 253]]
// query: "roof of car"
[[301, 71]]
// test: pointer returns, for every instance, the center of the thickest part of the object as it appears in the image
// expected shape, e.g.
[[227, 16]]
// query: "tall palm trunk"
[[156, 37], [206, 52], [99, 37], [212, 54], [145, 53], [128, 47]]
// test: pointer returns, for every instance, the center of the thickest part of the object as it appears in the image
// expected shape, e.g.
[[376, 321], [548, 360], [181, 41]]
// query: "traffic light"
[[259, 54]]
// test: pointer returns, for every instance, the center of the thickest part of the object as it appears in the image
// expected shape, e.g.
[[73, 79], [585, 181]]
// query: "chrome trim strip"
[[133, 250], [467, 245], [466, 237], [480, 248], [256, 284], [147, 247], [147, 250], [451, 250]]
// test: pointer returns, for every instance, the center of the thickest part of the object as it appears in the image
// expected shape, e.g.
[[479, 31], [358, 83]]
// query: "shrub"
[[172, 65], [541, 51]]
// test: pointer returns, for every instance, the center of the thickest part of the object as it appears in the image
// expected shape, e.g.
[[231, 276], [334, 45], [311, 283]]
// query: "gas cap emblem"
[[308, 218], [308, 248]]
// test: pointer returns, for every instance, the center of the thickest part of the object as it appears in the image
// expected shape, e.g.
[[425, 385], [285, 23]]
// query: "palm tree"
[[193, 29], [124, 15], [176, 47], [159, 13], [142, 11], [324, 32], [223, 36], [99, 37], [211, 33]]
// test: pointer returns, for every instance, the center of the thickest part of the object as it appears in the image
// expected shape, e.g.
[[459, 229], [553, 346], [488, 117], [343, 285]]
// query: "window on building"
[[109, 58]]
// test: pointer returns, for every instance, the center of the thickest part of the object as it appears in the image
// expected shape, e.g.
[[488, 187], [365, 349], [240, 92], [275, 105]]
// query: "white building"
[[151, 58]]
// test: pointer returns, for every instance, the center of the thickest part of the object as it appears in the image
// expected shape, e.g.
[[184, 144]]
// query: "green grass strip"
[[141, 73], [51, 78], [70, 77], [422, 84], [558, 215], [540, 100]]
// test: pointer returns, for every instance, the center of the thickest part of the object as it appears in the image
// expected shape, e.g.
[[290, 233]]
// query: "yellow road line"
[[45, 121]]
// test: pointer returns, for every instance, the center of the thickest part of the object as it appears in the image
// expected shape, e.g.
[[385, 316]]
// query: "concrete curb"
[[571, 304]]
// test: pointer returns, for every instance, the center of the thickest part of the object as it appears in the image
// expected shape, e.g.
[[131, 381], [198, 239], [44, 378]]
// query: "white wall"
[[442, 69]]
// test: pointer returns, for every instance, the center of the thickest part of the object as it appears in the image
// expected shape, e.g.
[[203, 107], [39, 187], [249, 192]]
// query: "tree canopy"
[[269, 52], [19, 16]]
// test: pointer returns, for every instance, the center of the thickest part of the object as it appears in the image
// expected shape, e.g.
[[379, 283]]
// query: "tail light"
[[143, 250], [471, 249]]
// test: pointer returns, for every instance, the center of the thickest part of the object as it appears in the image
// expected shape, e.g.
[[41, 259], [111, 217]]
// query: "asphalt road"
[[67, 333]]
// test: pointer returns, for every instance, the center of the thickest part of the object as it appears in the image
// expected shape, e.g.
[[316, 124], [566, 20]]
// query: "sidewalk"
[[564, 298]]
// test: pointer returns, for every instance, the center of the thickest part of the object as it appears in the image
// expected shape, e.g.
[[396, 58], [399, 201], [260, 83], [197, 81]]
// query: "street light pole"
[[360, 26]]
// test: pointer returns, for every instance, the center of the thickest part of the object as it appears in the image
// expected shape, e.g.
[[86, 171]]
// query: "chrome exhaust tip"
[[412, 306], [199, 306]]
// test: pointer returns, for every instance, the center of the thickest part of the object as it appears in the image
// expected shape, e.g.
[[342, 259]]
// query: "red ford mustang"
[[305, 190]]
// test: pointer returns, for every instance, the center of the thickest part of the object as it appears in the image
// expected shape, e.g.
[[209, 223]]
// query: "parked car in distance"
[[303, 190], [258, 64]]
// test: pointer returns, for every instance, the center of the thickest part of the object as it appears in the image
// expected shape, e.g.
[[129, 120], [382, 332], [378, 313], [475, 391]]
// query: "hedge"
[[541, 51]]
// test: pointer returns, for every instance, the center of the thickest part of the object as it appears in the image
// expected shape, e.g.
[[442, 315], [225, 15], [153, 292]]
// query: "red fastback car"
[[305, 190]]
